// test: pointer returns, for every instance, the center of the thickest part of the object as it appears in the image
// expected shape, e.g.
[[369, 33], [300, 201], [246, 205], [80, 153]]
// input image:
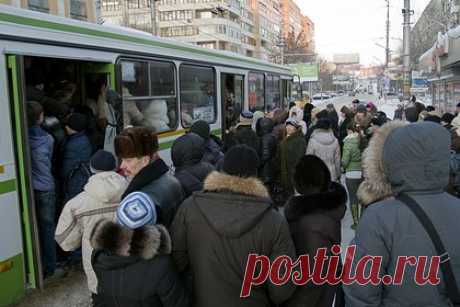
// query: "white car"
[[319, 98]]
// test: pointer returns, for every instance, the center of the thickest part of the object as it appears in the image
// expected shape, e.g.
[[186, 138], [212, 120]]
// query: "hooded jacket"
[[412, 159], [186, 154], [214, 232], [99, 200], [41, 147], [315, 222], [324, 145], [134, 267], [351, 156]]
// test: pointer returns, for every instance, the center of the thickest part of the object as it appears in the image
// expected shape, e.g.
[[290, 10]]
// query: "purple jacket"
[[41, 147]]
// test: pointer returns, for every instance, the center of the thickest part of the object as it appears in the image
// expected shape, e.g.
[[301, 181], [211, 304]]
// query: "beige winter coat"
[[99, 200], [325, 146]]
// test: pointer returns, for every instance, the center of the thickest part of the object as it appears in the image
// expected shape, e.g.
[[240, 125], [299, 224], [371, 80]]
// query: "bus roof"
[[125, 36]]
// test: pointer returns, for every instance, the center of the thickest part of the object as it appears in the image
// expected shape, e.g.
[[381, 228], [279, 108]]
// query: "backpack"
[[76, 181], [454, 166]]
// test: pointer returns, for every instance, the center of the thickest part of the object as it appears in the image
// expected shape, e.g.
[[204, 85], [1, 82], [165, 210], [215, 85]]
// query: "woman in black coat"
[[268, 145], [314, 219]]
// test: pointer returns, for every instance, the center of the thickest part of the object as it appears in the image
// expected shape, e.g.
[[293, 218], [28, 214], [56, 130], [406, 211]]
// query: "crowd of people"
[[275, 184]]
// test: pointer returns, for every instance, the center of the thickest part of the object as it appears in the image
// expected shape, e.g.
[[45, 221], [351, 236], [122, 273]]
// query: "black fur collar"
[[145, 242], [150, 173], [328, 202]]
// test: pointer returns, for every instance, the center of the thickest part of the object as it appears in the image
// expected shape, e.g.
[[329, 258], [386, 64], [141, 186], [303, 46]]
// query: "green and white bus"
[[170, 84]]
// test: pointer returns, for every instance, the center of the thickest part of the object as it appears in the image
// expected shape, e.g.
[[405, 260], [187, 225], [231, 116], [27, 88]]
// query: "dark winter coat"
[[186, 154], [76, 151], [134, 267], [162, 187], [291, 150], [214, 232], [412, 159], [343, 130], [268, 145], [243, 135], [212, 152], [315, 222], [41, 148]]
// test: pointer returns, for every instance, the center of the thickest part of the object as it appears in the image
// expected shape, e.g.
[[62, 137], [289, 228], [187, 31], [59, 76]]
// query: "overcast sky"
[[344, 26]]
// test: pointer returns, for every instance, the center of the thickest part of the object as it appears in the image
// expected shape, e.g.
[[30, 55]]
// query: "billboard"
[[346, 58], [306, 72]]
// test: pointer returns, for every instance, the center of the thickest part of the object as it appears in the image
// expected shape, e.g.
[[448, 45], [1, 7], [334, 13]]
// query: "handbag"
[[446, 268]]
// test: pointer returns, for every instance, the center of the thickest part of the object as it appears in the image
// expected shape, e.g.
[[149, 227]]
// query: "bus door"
[[26, 267], [232, 87]]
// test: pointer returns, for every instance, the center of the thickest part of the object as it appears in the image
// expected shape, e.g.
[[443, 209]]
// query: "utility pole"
[[407, 12], [387, 45]]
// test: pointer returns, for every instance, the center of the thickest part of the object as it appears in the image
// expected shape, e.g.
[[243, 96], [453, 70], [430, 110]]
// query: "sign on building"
[[306, 72], [346, 58]]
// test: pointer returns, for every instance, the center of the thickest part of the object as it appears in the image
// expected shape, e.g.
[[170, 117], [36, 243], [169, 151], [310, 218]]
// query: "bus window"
[[149, 95], [273, 92], [197, 94], [256, 92]]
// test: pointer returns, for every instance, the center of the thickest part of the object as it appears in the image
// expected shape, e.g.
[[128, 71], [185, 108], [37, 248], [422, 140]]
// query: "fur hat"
[[136, 210], [136, 142], [293, 122], [310, 172], [241, 161]]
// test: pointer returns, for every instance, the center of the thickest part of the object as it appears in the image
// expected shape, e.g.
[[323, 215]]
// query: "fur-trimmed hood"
[[332, 203], [232, 205], [217, 182], [405, 158], [142, 243]]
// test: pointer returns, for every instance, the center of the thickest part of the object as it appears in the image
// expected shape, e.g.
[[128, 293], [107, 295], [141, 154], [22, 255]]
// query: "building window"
[[256, 92], [39, 5], [178, 31], [197, 94], [149, 94], [78, 9], [138, 4], [273, 93], [110, 5], [176, 15]]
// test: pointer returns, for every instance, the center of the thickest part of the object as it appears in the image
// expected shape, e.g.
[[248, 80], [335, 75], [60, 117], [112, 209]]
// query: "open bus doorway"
[[232, 87], [61, 87]]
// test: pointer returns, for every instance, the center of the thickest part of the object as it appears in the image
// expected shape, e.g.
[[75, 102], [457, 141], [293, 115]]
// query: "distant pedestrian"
[[268, 147], [187, 156], [212, 150], [325, 145]]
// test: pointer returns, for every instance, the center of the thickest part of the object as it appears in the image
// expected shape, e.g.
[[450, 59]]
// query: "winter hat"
[[136, 210], [102, 161], [356, 101], [447, 118], [77, 122], [322, 114], [202, 129], [315, 112], [370, 105], [241, 161], [323, 123], [246, 118], [361, 108], [310, 172], [458, 105]]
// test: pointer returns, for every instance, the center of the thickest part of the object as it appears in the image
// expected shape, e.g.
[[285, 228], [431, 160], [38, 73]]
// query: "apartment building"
[[86, 10]]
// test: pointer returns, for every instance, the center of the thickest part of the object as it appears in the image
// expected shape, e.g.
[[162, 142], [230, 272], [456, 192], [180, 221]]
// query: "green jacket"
[[292, 149], [351, 155]]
